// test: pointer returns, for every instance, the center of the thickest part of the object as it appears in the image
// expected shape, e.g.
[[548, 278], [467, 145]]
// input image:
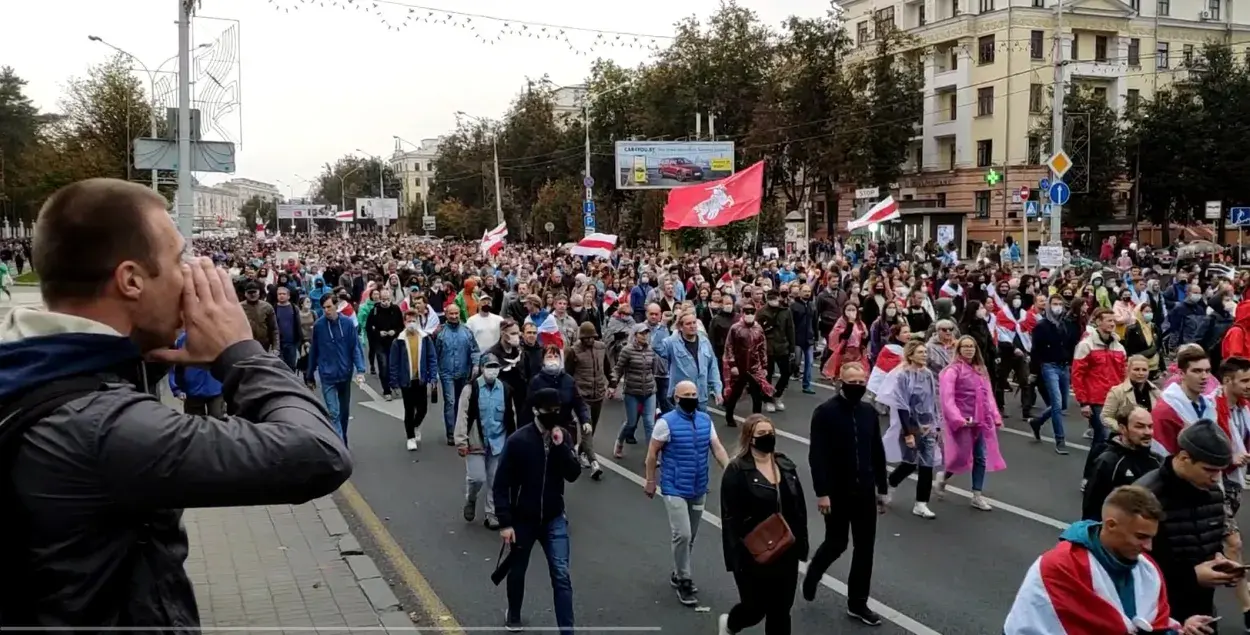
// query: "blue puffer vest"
[[684, 470]]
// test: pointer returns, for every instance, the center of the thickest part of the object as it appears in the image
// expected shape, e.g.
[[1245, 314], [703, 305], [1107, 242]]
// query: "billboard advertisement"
[[656, 165], [377, 208], [303, 211]]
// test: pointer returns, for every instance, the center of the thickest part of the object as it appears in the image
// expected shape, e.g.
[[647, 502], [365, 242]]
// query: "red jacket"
[[1237, 339], [1097, 368]]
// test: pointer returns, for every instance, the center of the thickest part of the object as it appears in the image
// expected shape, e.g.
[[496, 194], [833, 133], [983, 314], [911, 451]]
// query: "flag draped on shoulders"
[[549, 332], [887, 359], [1173, 413], [1067, 592]]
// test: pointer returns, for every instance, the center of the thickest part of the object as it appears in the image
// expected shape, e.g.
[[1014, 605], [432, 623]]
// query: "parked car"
[[680, 169]]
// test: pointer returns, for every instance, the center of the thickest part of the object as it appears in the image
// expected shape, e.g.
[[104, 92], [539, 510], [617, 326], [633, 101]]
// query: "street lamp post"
[[151, 87], [494, 144], [586, 100]]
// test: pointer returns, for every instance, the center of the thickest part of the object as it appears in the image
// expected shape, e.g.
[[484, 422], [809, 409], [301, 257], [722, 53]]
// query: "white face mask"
[[552, 366], [749, 318], [490, 373], [412, 327], [513, 340], [1148, 316], [1015, 304], [1056, 310]]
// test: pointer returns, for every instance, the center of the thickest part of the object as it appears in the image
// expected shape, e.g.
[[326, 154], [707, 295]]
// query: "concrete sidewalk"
[[286, 569]]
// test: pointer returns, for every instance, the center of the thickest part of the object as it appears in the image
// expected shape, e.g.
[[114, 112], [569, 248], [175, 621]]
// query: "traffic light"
[[993, 177]]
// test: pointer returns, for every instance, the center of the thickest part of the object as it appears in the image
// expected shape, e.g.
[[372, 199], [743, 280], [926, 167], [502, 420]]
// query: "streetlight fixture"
[[494, 144], [151, 90], [587, 98]]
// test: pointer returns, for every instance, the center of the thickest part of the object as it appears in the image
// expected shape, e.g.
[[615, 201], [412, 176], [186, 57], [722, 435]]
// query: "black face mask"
[[688, 404], [854, 392], [765, 443], [548, 420]]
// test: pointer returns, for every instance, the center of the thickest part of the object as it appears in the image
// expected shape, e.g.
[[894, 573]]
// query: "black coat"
[[836, 455], [804, 322], [1117, 465], [529, 482], [1192, 532], [746, 499], [1054, 344]]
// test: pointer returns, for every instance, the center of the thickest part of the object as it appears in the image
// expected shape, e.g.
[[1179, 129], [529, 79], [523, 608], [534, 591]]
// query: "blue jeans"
[[661, 396], [555, 541], [451, 389], [805, 354], [978, 463], [338, 398], [636, 406], [1057, 381], [1100, 437], [289, 352]]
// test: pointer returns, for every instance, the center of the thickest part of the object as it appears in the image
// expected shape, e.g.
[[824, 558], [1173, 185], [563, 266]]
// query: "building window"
[[1213, 9], [982, 203], [1135, 5], [985, 101], [941, 199], [861, 32], [1036, 98], [954, 8], [1134, 52], [1039, 4], [950, 155], [1161, 55], [986, 6], [1163, 8], [1100, 48], [884, 19], [918, 159], [985, 49], [952, 106], [1187, 55], [1035, 44], [985, 153], [922, 19], [1035, 150], [1100, 93], [1132, 99], [1075, 53]]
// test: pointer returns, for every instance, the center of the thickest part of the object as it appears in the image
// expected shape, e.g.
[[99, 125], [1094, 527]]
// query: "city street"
[[957, 574]]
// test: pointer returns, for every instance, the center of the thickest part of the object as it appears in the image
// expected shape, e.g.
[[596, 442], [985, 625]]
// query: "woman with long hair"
[[879, 332], [910, 392], [848, 341], [758, 483], [971, 420]]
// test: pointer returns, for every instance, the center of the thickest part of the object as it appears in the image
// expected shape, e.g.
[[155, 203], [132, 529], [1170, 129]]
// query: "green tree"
[[352, 177], [889, 90], [559, 203], [102, 114], [20, 125], [257, 208], [736, 235], [454, 219], [1095, 139]]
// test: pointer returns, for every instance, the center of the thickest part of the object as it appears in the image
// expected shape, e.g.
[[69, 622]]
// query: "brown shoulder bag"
[[772, 537]]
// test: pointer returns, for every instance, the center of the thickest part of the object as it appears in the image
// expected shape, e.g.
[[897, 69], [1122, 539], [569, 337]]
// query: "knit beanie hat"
[[1206, 443]]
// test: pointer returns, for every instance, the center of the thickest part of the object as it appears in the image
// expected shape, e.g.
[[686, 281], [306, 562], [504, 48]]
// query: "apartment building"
[[989, 68], [245, 189], [415, 169]]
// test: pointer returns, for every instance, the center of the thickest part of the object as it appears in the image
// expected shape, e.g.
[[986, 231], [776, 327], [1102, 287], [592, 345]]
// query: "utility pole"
[[498, 192], [586, 128], [186, 197], [1056, 123]]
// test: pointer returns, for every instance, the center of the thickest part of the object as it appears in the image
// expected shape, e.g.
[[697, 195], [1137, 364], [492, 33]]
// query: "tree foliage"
[[353, 177], [258, 209]]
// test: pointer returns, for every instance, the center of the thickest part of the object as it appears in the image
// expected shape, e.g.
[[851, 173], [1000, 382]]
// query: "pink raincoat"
[[965, 394], [846, 347]]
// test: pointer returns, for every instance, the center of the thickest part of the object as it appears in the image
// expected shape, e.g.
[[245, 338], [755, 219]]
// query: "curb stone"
[[378, 591]]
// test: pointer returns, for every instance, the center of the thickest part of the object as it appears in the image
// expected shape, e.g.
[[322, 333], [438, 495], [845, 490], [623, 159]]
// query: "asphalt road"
[[957, 574]]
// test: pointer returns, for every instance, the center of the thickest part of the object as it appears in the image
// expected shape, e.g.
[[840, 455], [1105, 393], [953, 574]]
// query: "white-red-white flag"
[[549, 332], [345, 215], [883, 211], [596, 245], [492, 240]]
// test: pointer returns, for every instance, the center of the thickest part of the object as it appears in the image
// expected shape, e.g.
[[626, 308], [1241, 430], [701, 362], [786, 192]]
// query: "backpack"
[[16, 418]]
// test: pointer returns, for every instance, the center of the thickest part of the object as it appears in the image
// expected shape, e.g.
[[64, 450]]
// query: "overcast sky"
[[320, 81]]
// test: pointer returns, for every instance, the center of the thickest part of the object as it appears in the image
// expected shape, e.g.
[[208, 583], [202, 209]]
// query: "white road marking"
[[893, 615], [997, 504], [906, 623], [1029, 435]]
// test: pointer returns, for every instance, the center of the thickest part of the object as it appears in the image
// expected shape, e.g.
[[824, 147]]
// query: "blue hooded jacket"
[[315, 293], [33, 361], [193, 381]]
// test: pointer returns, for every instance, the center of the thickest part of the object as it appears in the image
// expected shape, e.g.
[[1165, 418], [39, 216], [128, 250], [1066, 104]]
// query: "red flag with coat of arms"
[[716, 203]]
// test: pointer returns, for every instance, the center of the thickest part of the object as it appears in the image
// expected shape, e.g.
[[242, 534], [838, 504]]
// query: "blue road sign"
[[1060, 193], [588, 222], [1043, 184], [588, 207], [1030, 209], [1048, 210], [1239, 216]]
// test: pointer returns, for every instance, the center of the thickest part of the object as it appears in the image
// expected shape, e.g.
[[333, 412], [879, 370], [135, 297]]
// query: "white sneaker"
[[722, 625], [583, 461], [417, 437], [1084, 482], [939, 485], [770, 407], [922, 510], [1089, 434], [979, 502], [412, 445], [781, 407]]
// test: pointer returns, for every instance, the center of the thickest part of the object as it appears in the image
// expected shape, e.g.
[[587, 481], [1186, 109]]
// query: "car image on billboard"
[[668, 164]]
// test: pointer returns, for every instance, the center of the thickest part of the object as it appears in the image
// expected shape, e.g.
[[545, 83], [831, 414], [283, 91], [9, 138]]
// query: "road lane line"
[[902, 621], [1029, 435], [431, 605], [997, 504]]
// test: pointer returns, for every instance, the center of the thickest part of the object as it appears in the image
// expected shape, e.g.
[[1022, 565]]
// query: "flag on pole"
[[492, 240], [883, 211], [549, 332], [716, 203], [596, 245], [344, 216]]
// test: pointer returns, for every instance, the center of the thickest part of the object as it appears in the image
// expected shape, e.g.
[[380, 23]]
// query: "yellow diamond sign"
[[1060, 163]]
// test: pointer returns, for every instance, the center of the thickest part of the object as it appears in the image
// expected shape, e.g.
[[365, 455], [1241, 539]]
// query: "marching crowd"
[[524, 344]]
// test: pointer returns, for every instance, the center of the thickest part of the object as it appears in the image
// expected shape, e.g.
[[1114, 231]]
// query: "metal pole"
[[1056, 122], [498, 193], [586, 170], [186, 200], [152, 121], [381, 192], [1024, 249]]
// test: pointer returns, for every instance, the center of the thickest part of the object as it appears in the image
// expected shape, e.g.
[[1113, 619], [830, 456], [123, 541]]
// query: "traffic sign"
[[1060, 163], [1044, 184], [1030, 209], [1214, 209], [867, 192], [1048, 210], [1024, 192], [1060, 193], [550, 226], [429, 223], [1239, 216], [588, 207], [588, 222], [588, 182]]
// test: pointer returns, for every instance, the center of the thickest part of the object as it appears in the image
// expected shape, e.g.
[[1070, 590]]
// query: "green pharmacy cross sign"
[[993, 176]]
